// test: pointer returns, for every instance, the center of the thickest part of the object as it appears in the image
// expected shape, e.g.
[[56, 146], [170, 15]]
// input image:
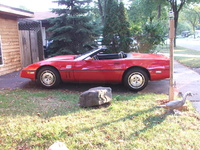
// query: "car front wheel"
[[136, 79], [48, 77]]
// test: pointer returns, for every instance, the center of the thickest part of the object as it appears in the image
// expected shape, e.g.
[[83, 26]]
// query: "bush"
[[152, 35]]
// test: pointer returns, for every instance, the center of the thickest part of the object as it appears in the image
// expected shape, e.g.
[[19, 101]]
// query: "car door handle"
[[116, 63]]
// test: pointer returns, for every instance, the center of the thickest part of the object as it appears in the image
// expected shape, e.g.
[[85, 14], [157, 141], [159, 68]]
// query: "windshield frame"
[[89, 54]]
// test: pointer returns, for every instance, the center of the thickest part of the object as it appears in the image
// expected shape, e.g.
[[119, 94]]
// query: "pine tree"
[[110, 30], [124, 32], [73, 28], [116, 33]]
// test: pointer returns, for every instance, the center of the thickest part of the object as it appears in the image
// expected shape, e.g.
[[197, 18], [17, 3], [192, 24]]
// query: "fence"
[[30, 41]]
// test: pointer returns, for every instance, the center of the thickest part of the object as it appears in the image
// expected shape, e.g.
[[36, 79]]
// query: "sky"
[[30, 5]]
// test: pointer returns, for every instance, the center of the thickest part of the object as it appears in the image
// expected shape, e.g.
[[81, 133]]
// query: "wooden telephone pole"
[[171, 38]]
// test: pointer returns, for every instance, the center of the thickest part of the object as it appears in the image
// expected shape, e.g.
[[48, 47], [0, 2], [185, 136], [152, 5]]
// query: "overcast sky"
[[31, 5]]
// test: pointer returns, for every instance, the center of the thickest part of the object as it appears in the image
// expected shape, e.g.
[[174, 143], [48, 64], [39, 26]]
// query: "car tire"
[[136, 80], [48, 77]]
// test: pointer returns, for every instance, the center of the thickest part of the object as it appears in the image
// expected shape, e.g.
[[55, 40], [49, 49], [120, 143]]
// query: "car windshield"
[[81, 55], [87, 54]]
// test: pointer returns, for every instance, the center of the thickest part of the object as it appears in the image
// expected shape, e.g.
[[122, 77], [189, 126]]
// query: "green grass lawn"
[[190, 58], [36, 119]]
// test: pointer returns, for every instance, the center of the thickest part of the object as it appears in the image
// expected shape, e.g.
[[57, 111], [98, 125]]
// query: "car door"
[[98, 70]]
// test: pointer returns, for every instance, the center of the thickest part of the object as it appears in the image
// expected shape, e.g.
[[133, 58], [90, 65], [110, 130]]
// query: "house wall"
[[10, 45]]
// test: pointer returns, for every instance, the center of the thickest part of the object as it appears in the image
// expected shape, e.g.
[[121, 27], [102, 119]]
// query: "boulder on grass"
[[95, 97]]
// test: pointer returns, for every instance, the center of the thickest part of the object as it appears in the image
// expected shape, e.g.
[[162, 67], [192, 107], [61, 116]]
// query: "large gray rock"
[[95, 97]]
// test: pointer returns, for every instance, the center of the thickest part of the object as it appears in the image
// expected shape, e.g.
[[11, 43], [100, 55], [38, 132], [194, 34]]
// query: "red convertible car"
[[134, 70]]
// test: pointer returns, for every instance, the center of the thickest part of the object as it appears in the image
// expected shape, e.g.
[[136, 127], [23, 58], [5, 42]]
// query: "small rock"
[[58, 146]]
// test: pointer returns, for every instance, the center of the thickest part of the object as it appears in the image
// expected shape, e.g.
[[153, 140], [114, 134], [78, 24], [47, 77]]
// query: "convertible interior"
[[110, 56]]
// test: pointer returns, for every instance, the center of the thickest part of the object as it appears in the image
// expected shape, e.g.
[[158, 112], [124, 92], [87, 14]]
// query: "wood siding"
[[10, 45]]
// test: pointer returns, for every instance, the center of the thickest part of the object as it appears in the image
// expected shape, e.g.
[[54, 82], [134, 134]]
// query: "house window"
[[1, 57]]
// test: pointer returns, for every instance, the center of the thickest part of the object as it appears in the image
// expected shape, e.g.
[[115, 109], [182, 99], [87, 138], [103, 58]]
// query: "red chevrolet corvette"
[[134, 70]]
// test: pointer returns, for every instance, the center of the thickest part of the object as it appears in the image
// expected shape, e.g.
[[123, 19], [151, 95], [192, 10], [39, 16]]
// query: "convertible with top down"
[[134, 70]]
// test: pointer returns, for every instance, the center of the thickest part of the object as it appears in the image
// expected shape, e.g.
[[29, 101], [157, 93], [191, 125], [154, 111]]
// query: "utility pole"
[[171, 38]]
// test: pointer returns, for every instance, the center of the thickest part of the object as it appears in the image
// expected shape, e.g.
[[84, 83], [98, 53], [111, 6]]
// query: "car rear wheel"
[[136, 79], [48, 77]]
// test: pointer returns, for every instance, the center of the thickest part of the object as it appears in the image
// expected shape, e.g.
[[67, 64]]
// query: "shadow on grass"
[[46, 103], [149, 122]]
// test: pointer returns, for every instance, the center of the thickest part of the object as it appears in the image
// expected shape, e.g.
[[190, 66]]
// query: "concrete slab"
[[188, 80]]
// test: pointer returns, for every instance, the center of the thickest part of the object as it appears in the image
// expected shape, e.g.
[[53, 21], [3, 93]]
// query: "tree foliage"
[[101, 8], [124, 29], [78, 25], [147, 10], [116, 33], [73, 28], [176, 7], [192, 16], [152, 35], [148, 23]]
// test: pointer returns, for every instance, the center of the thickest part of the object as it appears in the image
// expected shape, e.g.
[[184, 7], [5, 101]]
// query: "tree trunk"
[[101, 11], [159, 11], [175, 26], [176, 9], [101, 6], [193, 27]]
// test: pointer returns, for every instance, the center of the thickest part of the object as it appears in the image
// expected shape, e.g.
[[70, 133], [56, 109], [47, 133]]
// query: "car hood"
[[49, 61], [61, 57]]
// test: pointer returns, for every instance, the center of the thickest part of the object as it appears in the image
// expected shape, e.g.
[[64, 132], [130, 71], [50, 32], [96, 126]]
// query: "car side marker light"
[[158, 71]]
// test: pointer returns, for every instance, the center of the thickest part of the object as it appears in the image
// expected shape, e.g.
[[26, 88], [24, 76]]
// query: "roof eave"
[[19, 13]]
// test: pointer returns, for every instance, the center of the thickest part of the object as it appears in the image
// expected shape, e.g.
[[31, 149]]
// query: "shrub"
[[152, 35]]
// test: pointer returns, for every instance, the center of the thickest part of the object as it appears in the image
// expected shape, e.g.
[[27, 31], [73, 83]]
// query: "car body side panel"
[[98, 70], [63, 66], [159, 74], [158, 69]]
